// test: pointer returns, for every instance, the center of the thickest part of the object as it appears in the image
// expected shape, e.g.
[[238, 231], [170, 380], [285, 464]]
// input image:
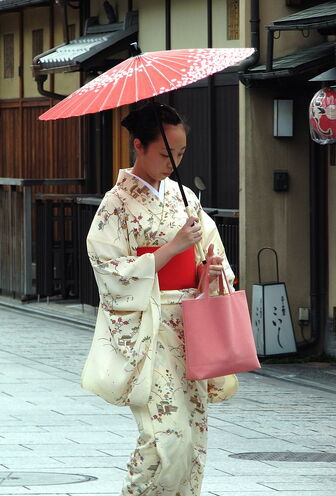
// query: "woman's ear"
[[138, 146]]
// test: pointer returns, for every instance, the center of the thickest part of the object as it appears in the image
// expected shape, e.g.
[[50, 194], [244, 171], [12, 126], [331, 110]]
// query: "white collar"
[[159, 194]]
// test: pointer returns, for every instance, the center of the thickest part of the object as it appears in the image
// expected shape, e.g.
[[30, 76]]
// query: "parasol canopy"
[[145, 76]]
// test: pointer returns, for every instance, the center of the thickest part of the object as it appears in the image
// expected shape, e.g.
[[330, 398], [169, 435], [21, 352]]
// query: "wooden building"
[[51, 48]]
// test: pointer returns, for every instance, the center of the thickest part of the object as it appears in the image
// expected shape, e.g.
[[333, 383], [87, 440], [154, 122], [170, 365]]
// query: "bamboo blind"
[[37, 42], [8, 44]]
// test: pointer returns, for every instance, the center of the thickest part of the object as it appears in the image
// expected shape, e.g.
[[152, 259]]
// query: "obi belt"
[[179, 272]]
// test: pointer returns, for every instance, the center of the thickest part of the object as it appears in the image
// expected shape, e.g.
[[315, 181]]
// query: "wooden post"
[[27, 241]]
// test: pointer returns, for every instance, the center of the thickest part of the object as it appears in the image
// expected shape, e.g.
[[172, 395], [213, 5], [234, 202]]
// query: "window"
[[232, 19], [8, 40], [72, 31], [37, 42]]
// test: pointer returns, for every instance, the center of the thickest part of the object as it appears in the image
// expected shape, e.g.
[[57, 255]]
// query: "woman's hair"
[[142, 123]]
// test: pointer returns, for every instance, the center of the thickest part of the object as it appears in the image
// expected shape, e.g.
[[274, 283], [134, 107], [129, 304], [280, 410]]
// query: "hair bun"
[[130, 121], [142, 123]]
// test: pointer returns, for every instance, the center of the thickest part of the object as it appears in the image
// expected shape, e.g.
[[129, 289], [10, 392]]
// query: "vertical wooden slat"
[[47, 150]]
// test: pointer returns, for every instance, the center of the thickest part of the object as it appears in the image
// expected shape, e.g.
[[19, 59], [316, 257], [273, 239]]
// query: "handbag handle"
[[204, 281]]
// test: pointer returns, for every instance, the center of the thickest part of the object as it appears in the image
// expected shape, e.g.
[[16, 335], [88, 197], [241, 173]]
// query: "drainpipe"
[[318, 249], [255, 41], [40, 80]]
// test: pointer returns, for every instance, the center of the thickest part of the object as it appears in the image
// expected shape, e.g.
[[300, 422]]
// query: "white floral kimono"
[[137, 353]]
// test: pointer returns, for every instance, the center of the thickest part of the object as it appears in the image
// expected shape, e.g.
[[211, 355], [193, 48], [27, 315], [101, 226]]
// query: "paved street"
[[275, 438]]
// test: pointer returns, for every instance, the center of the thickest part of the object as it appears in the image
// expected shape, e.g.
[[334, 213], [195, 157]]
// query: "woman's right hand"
[[187, 236]]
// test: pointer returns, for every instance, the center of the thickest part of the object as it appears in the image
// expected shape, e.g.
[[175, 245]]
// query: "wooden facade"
[[34, 149]]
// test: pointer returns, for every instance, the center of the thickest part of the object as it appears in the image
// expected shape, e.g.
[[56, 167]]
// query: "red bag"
[[218, 333]]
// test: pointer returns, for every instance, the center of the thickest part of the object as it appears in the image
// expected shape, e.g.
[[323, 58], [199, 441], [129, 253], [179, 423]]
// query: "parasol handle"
[[172, 161], [199, 244]]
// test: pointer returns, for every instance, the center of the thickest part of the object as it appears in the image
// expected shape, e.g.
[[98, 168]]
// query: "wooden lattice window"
[[8, 43], [37, 42], [72, 31], [232, 19]]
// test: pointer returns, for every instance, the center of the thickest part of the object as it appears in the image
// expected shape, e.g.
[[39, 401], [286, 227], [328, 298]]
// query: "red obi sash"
[[179, 272]]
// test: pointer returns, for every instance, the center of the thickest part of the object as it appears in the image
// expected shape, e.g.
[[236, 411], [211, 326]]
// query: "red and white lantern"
[[322, 116]]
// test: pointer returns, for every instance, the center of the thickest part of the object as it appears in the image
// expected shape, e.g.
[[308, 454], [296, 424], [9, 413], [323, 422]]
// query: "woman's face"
[[152, 163]]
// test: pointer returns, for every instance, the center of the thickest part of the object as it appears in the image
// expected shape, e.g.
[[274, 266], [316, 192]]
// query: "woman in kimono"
[[141, 247]]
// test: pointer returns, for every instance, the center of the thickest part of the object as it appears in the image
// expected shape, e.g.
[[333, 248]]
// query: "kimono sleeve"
[[125, 282], [119, 366]]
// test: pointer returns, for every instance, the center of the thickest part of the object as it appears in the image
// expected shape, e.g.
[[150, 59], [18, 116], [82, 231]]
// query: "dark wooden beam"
[[211, 112], [270, 47], [168, 25]]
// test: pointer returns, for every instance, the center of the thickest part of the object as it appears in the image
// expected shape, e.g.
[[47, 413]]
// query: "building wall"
[[152, 33], [219, 26], [267, 218], [189, 27], [65, 83], [34, 18], [187, 34], [330, 337]]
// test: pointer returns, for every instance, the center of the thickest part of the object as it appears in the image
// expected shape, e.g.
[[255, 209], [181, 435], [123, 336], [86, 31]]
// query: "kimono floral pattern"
[[137, 357]]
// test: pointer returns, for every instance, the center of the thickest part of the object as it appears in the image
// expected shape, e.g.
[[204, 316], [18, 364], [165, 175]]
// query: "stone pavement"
[[276, 437]]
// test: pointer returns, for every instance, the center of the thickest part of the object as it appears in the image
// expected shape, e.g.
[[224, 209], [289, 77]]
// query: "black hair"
[[142, 123]]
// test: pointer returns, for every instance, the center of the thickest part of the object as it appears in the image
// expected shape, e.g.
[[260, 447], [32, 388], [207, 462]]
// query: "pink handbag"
[[218, 333]]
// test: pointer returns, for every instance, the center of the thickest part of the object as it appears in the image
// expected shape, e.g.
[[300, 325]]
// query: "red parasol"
[[146, 75]]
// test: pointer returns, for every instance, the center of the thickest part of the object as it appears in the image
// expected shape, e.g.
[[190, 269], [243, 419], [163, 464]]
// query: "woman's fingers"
[[191, 221], [188, 235], [210, 252], [215, 270]]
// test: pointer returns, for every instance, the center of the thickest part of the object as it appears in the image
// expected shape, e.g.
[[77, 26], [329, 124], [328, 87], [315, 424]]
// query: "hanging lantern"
[[322, 116]]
